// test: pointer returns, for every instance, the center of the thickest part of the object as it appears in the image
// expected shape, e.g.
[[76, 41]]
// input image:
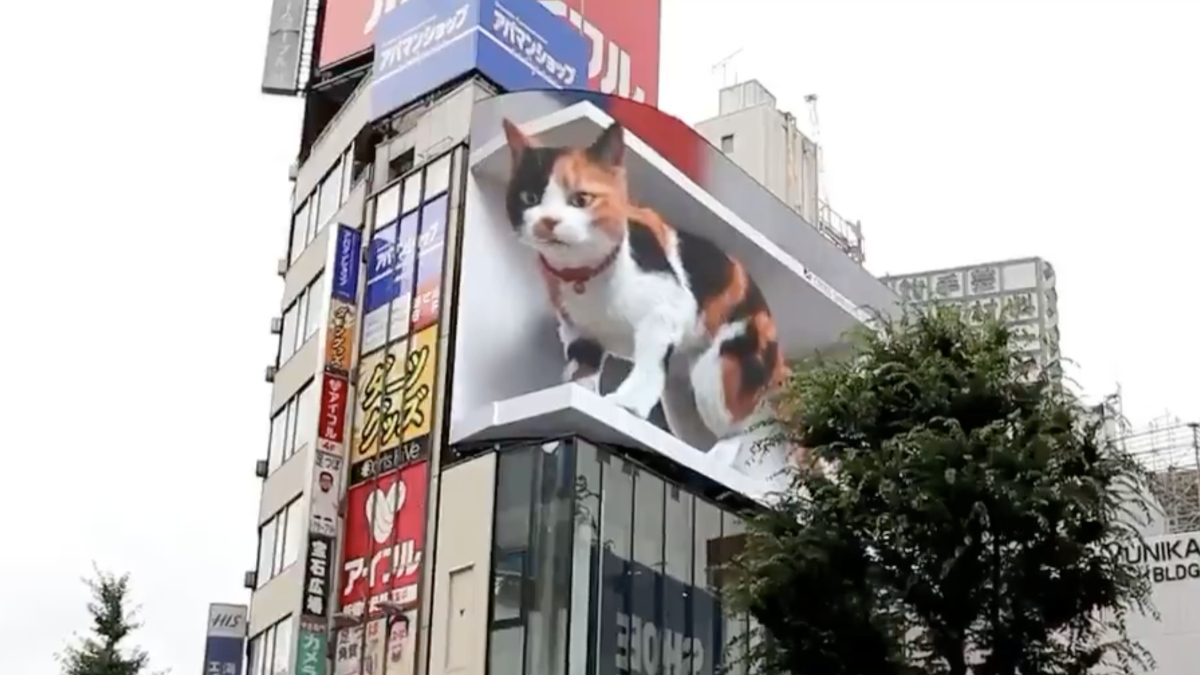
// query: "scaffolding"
[[1169, 449]]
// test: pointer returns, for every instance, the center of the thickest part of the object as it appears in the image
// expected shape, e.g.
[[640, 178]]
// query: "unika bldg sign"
[[1166, 558]]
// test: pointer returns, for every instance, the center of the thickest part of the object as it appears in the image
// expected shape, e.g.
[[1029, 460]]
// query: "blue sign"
[[346, 263], [518, 44], [223, 655]]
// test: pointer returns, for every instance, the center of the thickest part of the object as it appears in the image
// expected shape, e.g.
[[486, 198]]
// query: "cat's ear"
[[609, 148], [518, 142]]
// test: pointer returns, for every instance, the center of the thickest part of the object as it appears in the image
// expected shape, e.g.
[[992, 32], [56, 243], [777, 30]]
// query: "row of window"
[[271, 650], [302, 318], [319, 208], [603, 567], [293, 426], [279, 542]]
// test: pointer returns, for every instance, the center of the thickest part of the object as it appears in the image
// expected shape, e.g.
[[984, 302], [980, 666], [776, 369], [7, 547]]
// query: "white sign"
[[227, 620]]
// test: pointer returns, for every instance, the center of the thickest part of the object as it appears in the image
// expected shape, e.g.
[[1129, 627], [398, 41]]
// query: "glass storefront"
[[602, 567]]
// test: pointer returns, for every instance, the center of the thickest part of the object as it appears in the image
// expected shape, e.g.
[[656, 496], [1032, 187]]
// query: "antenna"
[[723, 67], [815, 121]]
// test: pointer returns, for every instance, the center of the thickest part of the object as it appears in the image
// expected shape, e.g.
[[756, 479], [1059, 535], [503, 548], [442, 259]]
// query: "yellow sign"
[[339, 336], [395, 403]]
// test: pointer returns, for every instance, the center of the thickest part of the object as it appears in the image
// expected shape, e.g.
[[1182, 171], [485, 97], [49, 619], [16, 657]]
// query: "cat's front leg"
[[585, 357], [653, 341]]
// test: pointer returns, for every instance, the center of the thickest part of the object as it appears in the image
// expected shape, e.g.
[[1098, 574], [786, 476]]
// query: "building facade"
[[766, 143], [1021, 292]]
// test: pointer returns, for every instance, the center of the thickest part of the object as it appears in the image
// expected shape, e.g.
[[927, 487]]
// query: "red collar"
[[579, 276]]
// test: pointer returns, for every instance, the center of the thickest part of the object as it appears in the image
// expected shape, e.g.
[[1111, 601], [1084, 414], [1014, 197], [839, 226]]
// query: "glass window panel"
[[306, 418], [301, 319], [616, 640], [706, 610], [299, 231], [437, 176], [677, 582], [289, 431], [514, 490], [280, 537], [294, 536], [552, 531], [266, 553], [645, 634], [258, 650], [387, 206], [347, 173], [330, 196], [287, 338], [506, 655], [412, 192], [283, 648], [585, 560], [316, 307], [275, 449], [735, 624]]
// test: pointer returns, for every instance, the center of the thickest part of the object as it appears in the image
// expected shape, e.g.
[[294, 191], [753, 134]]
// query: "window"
[[279, 542], [293, 427], [282, 662], [287, 338], [270, 650], [727, 143], [301, 230], [401, 164], [315, 297], [437, 176], [736, 625], [616, 569], [706, 609], [514, 492], [677, 580], [329, 197], [302, 319], [293, 521]]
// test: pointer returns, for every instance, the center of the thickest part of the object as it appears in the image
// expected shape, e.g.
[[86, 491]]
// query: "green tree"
[[103, 652], [956, 515]]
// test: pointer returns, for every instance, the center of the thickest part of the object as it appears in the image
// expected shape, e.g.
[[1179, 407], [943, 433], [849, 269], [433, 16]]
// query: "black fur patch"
[[647, 252], [709, 270], [586, 352], [757, 366], [532, 175]]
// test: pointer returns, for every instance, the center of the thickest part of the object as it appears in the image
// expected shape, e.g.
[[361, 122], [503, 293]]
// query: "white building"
[[766, 143], [1024, 290]]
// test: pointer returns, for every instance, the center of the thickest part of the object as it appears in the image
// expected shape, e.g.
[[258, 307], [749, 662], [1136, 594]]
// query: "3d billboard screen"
[[517, 44], [588, 257], [621, 38]]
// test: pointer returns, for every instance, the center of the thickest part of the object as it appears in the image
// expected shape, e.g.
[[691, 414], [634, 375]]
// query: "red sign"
[[624, 36], [625, 43], [335, 390], [385, 527]]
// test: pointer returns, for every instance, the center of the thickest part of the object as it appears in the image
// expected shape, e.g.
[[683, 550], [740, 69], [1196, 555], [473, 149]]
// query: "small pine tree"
[[113, 620]]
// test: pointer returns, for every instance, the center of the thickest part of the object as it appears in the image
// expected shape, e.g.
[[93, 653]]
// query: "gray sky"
[[151, 202]]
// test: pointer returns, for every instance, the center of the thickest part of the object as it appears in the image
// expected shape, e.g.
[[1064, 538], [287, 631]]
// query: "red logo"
[[625, 44], [335, 390], [385, 527], [624, 35]]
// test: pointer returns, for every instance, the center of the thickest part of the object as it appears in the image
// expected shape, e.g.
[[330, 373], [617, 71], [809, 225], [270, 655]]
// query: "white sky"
[[148, 203]]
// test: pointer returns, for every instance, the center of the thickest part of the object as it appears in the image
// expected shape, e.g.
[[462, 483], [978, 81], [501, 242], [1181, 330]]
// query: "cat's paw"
[[637, 401], [589, 380]]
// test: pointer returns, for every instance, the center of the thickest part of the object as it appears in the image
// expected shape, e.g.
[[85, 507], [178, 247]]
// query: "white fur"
[[634, 315]]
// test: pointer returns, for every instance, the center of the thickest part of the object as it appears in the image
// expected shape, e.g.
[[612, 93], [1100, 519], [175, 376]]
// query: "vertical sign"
[[225, 641], [338, 341]]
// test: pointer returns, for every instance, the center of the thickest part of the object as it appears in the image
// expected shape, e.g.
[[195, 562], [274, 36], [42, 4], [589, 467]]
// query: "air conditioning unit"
[[293, 171], [276, 325], [281, 267], [250, 580], [269, 376], [260, 468]]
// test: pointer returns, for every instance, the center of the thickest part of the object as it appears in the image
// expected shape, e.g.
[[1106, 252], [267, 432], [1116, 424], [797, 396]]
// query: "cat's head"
[[569, 204]]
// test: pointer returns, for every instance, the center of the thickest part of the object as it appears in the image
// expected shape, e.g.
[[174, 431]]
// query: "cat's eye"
[[580, 199], [528, 198]]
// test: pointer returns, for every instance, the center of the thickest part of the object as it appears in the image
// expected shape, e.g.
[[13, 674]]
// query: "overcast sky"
[[148, 202]]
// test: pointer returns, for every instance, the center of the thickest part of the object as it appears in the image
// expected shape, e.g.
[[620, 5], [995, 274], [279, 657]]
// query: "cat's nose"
[[545, 226]]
